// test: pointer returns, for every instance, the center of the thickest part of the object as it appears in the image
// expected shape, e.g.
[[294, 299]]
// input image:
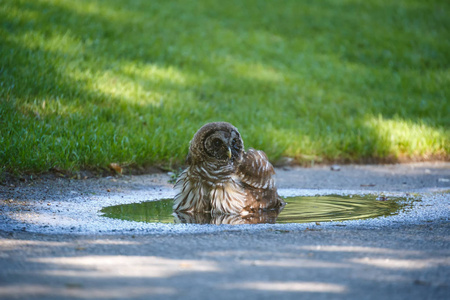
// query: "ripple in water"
[[297, 210]]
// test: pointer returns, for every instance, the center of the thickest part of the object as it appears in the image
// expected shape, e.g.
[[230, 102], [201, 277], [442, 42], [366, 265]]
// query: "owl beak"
[[229, 153]]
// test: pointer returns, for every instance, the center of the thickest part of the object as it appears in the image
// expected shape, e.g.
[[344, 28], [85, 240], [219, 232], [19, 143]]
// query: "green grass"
[[85, 83]]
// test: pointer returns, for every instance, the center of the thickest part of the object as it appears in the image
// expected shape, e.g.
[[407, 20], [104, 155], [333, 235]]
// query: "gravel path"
[[54, 245]]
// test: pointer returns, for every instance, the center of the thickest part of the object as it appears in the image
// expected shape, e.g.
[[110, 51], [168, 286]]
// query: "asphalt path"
[[405, 258]]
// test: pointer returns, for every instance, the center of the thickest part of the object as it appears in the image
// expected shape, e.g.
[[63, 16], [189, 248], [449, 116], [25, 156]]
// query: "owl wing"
[[256, 171]]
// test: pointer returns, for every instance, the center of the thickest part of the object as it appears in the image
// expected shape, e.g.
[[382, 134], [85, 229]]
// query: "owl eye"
[[234, 143], [217, 142]]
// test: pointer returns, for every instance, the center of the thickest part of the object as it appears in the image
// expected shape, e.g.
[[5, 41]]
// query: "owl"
[[221, 178]]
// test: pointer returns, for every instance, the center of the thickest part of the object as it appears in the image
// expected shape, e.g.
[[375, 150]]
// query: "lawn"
[[89, 82]]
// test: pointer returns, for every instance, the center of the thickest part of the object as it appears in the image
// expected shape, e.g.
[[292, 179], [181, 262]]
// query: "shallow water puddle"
[[297, 210]]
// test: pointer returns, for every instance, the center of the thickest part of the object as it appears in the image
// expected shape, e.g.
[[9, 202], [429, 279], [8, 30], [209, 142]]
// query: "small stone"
[[335, 168], [421, 282]]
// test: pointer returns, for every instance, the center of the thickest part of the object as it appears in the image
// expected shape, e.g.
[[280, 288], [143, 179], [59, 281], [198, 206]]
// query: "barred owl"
[[221, 178]]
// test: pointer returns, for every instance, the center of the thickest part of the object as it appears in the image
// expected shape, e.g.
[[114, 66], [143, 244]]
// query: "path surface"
[[410, 260]]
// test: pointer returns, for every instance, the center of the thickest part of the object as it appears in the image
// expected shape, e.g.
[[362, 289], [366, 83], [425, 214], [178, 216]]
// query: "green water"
[[297, 210]]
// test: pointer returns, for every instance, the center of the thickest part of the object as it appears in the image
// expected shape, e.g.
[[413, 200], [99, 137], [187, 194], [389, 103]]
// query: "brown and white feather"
[[223, 179]]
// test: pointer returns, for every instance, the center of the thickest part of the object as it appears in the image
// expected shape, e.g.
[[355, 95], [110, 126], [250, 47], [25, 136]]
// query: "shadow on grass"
[[310, 81]]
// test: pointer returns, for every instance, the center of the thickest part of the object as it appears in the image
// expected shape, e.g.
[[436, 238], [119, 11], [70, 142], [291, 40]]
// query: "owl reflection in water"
[[221, 178]]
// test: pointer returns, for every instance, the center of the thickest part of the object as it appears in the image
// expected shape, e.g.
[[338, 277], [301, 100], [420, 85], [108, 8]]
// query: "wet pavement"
[[54, 243]]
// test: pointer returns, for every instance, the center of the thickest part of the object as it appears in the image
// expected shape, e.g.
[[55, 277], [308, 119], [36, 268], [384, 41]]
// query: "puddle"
[[298, 210]]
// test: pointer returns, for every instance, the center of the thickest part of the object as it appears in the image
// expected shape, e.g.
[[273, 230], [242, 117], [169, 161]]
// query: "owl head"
[[217, 142]]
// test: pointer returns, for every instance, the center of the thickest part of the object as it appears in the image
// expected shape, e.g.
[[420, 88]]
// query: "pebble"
[[335, 168]]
